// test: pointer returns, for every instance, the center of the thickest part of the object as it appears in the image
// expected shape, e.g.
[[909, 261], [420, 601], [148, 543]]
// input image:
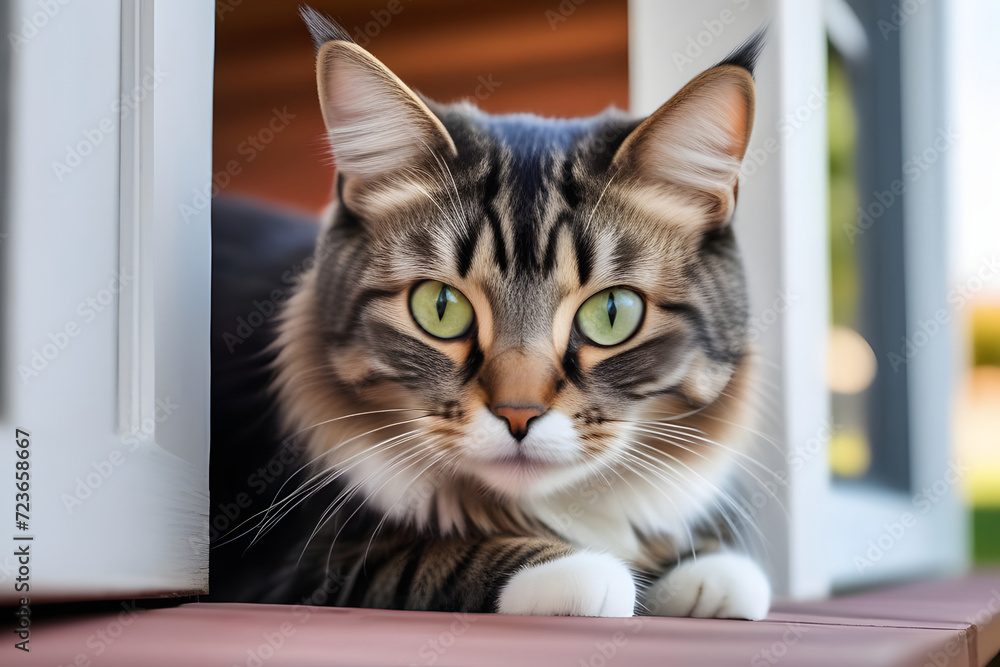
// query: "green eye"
[[441, 310], [611, 316]]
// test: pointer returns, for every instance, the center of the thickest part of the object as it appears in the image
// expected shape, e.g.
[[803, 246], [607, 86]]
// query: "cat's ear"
[[690, 149], [376, 124]]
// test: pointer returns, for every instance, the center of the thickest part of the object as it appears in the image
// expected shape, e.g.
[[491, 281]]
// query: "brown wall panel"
[[554, 64]]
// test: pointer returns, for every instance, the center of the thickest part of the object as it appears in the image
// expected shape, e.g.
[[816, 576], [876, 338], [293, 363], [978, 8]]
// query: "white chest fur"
[[608, 513]]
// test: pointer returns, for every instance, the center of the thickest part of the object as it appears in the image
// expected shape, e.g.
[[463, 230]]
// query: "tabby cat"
[[521, 355]]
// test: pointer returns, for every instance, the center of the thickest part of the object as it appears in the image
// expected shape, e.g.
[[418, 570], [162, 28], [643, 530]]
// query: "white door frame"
[[105, 347]]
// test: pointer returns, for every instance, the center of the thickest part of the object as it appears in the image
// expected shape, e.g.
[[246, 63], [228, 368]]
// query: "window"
[[903, 517]]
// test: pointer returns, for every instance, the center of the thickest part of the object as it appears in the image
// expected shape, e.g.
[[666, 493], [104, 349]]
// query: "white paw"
[[584, 584], [712, 586]]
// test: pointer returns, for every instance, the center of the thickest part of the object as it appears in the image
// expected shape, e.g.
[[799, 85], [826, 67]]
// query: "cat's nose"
[[518, 417]]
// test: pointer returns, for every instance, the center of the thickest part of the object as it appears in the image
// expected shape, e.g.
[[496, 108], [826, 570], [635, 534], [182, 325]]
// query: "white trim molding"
[[105, 292]]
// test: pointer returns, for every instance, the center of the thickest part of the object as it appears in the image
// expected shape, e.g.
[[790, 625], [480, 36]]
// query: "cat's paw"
[[584, 584], [712, 586]]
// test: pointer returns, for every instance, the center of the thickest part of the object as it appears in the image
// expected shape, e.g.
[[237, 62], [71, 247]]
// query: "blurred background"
[[505, 56], [867, 198], [572, 58]]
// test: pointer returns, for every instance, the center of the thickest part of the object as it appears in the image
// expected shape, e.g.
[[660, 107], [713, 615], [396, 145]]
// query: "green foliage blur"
[[843, 202], [986, 336]]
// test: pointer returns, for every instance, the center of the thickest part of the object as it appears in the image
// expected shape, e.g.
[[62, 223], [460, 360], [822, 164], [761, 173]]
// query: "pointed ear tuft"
[[745, 55], [322, 28], [689, 150]]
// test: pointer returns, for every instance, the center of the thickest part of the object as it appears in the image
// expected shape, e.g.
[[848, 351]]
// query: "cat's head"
[[501, 300]]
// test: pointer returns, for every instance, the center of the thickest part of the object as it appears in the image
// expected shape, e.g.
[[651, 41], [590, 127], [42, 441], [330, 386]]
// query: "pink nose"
[[518, 417]]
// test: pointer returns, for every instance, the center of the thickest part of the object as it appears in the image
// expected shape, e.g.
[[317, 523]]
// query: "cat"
[[520, 356]]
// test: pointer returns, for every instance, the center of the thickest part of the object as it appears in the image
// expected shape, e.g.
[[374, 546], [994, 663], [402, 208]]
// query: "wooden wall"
[[540, 56]]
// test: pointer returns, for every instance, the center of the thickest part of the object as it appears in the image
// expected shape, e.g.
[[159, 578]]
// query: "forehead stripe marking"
[[491, 191], [549, 261], [584, 247], [529, 180], [467, 245]]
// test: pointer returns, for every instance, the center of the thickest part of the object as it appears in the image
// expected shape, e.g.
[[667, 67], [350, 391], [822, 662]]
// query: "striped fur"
[[436, 504]]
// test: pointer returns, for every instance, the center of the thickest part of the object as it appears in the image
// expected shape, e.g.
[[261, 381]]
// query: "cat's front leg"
[[506, 574], [580, 584], [714, 585]]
